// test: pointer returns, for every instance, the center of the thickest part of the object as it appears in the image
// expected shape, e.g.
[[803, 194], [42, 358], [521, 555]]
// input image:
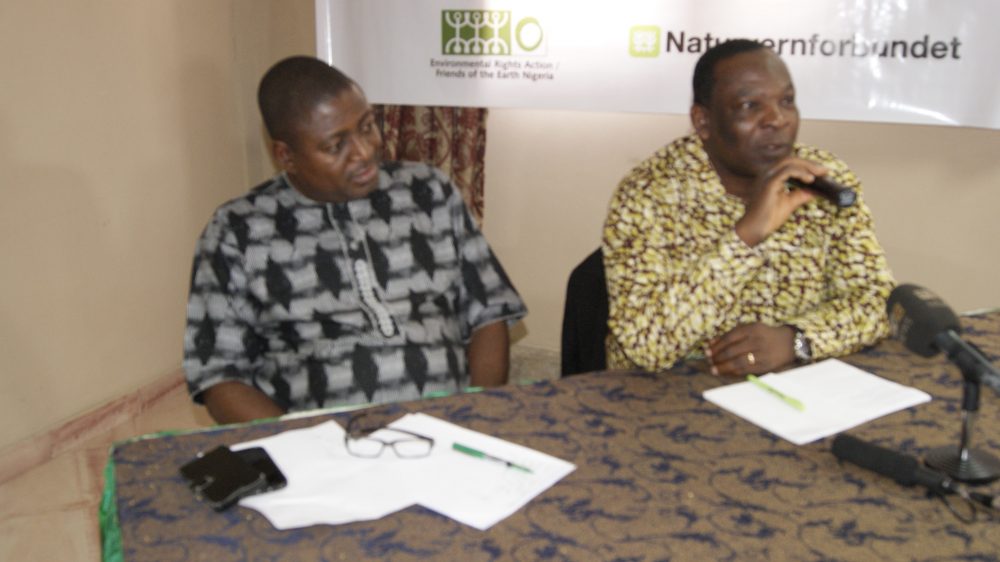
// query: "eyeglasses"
[[359, 441]]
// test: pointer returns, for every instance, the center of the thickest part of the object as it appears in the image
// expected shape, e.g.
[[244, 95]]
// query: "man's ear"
[[700, 120], [283, 155]]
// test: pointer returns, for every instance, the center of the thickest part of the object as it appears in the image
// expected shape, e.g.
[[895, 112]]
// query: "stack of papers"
[[835, 397], [328, 485]]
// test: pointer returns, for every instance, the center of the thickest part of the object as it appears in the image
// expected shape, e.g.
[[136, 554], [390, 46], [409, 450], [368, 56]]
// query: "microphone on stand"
[[926, 325]]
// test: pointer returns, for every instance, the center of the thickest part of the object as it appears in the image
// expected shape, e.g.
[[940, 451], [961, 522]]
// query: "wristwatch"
[[801, 347]]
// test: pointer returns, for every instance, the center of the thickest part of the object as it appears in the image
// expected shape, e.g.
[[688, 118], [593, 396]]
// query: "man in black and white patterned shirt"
[[344, 279]]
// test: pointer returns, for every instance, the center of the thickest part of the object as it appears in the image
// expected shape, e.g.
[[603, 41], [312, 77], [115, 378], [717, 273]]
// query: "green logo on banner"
[[487, 32], [644, 41]]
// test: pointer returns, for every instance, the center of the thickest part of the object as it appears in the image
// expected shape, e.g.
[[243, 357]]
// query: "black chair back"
[[585, 318]]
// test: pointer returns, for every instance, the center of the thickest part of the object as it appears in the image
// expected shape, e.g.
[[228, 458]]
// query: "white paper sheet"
[[475, 491], [837, 397], [328, 485]]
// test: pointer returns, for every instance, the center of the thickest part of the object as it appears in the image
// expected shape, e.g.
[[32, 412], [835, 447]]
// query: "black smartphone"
[[220, 478], [258, 458]]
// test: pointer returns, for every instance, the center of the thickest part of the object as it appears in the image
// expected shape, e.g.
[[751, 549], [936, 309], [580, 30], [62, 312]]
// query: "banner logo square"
[[490, 33], [475, 32], [644, 41]]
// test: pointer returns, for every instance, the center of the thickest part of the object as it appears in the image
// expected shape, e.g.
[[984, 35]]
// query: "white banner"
[[902, 61]]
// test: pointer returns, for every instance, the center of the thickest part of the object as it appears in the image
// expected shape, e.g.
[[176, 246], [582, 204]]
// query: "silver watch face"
[[802, 351]]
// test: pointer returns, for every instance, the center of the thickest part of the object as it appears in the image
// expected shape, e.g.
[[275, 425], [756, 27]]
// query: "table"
[[662, 474]]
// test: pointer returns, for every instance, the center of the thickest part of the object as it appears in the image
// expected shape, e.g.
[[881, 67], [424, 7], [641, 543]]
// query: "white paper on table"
[[474, 491], [836, 396], [326, 484]]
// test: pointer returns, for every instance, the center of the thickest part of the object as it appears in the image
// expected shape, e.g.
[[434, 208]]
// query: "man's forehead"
[[337, 113], [342, 105], [750, 71], [750, 85]]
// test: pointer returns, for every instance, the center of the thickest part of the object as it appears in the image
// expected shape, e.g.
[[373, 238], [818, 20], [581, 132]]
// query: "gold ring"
[[751, 359]]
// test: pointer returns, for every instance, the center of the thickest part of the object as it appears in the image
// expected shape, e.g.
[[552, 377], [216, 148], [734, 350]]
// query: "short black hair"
[[292, 88], [704, 71]]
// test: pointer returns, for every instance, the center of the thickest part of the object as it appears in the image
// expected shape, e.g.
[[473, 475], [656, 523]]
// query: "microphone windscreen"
[[901, 468], [917, 316]]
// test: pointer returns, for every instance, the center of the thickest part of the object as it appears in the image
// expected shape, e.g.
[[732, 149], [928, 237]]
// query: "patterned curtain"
[[451, 138]]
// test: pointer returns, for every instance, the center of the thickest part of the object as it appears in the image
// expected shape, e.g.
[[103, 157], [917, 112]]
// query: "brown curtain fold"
[[451, 138]]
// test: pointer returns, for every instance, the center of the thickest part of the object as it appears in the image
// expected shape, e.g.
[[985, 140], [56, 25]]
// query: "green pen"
[[481, 455], [793, 402]]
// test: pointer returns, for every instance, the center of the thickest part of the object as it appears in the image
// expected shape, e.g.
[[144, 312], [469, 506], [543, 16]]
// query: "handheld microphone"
[[926, 325], [828, 189], [906, 470]]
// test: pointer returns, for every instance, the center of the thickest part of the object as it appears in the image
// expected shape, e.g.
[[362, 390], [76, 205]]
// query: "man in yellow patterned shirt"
[[707, 251]]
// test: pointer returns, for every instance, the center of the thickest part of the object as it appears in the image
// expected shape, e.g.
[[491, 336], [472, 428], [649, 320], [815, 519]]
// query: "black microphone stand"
[[963, 463]]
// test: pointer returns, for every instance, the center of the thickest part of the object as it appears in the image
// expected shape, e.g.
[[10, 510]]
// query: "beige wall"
[[123, 123], [935, 193]]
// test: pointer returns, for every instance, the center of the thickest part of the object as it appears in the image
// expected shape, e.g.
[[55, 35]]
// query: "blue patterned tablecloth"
[[662, 475]]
